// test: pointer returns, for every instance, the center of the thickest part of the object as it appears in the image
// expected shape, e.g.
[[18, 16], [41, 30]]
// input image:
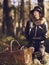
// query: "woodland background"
[[13, 18]]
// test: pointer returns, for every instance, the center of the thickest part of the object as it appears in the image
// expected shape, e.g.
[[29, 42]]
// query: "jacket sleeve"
[[45, 29], [27, 30]]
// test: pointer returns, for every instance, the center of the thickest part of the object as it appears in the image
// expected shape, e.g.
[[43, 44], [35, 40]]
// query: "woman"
[[36, 29]]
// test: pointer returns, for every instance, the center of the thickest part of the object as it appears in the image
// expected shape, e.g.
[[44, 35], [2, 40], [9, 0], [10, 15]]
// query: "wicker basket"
[[23, 57]]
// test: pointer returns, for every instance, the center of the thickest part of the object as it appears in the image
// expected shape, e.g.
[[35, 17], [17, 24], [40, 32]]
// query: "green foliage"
[[2, 47], [9, 38]]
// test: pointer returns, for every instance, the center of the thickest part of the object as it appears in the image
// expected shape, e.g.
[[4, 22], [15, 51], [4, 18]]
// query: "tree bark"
[[22, 12], [7, 19], [40, 3]]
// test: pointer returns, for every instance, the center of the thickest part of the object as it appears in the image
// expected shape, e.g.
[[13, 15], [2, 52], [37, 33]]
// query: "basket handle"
[[11, 43]]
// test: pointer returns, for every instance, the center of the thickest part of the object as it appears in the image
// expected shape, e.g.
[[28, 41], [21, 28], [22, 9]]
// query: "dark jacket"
[[28, 29], [35, 32]]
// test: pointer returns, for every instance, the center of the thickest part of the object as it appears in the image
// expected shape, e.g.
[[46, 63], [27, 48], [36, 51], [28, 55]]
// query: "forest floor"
[[5, 41]]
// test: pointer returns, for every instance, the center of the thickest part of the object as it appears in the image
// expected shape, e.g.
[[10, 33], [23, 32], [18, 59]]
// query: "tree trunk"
[[40, 3], [29, 8], [7, 19], [22, 12]]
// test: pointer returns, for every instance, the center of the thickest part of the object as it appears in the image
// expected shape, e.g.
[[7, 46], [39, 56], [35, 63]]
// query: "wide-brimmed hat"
[[37, 8]]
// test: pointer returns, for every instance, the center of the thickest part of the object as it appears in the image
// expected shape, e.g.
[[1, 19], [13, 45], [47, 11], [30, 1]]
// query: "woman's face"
[[36, 15]]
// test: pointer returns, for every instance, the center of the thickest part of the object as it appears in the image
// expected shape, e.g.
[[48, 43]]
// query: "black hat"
[[37, 8]]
